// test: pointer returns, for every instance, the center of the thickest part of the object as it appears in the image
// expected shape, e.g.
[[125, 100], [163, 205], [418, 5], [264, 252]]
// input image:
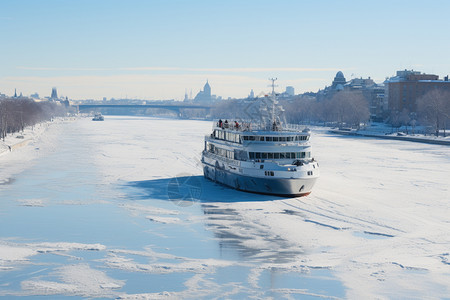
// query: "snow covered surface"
[[16, 154], [381, 130], [377, 221]]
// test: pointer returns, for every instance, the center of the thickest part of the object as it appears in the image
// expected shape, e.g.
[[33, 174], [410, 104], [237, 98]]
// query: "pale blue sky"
[[159, 49]]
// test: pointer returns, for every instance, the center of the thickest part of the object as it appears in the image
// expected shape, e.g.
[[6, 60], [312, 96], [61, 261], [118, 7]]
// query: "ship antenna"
[[273, 99]]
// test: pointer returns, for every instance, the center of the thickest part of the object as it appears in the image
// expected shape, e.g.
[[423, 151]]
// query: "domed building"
[[205, 95], [339, 81]]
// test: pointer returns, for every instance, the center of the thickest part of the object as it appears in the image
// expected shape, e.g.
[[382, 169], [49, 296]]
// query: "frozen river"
[[120, 209]]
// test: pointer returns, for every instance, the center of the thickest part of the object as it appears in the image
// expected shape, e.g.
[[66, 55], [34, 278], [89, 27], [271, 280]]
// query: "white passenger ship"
[[265, 157]]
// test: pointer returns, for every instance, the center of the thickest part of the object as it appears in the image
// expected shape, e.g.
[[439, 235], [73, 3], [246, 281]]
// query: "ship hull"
[[283, 187]]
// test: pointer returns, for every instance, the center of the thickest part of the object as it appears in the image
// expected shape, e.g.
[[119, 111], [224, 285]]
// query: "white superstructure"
[[264, 157]]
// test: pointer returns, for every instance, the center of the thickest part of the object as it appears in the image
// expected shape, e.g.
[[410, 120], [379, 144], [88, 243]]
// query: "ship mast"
[[272, 121]]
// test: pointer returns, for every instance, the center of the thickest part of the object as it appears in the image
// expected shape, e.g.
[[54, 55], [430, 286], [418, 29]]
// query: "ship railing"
[[249, 126], [235, 125]]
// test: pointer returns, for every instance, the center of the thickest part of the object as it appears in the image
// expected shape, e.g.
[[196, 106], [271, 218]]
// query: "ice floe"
[[17, 252], [76, 280]]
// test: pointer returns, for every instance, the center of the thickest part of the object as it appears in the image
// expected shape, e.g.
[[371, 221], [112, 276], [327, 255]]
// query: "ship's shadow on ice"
[[191, 189]]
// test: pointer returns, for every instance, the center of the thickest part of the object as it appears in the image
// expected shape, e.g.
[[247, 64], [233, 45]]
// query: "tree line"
[[347, 109], [344, 109], [16, 114]]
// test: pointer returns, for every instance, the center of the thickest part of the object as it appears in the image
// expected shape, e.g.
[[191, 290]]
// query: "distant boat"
[[261, 158], [98, 117]]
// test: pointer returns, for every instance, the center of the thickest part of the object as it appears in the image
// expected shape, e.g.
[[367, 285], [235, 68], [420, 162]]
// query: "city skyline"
[[160, 49]]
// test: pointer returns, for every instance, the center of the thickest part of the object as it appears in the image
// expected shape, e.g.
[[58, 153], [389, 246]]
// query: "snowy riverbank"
[[19, 139], [20, 148], [399, 136], [14, 141]]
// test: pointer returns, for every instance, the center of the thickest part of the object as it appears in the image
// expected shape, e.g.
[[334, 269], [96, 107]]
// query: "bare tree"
[[350, 108], [404, 118], [434, 109], [16, 114], [300, 110]]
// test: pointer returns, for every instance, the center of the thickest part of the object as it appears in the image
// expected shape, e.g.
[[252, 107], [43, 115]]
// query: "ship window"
[[258, 154], [269, 139], [282, 139], [261, 139], [261, 166], [290, 138], [292, 154], [251, 155], [270, 155], [251, 138], [245, 138], [282, 155], [271, 173], [264, 156], [276, 155], [275, 139]]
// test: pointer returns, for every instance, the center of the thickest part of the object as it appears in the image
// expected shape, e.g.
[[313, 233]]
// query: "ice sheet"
[[377, 217]]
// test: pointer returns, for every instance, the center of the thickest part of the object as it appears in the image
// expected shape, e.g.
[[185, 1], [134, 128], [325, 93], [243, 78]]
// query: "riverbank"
[[427, 139], [20, 149], [18, 140]]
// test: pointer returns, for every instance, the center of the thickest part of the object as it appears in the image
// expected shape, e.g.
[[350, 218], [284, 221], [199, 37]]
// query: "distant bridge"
[[178, 108]]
